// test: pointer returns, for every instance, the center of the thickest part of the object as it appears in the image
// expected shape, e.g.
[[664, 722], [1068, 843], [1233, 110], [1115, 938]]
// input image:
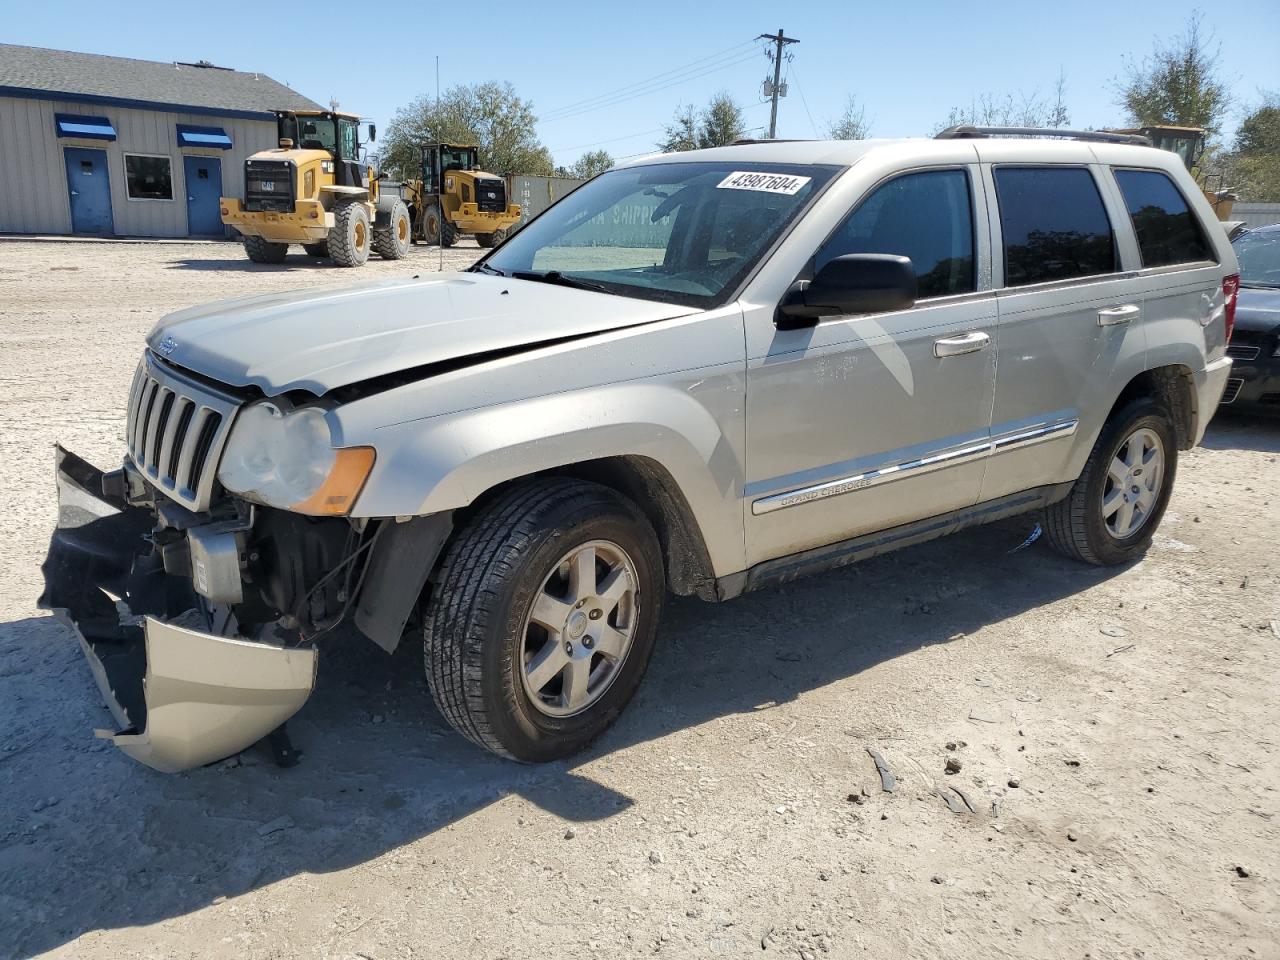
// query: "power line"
[[626, 87], [676, 81], [792, 74]]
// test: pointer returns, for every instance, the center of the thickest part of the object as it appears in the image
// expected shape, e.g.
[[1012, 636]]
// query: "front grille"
[[175, 432], [1243, 351], [269, 185], [1232, 391], [491, 195]]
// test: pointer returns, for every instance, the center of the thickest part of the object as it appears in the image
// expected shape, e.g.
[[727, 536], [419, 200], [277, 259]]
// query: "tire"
[[264, 251], [350, 236], [429, 227], [491, 239], [391, 240], [482, 639], [448, 233], [1081, 526], [320, 249]]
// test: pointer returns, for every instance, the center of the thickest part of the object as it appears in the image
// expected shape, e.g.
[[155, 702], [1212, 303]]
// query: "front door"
[[865, 422], [204, 193], [89, 190]]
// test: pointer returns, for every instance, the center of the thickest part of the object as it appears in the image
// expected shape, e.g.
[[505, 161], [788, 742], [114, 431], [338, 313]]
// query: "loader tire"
[[448, 233], [264, 251], [349, 239], [430, 225], [391, 239], [320, 249]]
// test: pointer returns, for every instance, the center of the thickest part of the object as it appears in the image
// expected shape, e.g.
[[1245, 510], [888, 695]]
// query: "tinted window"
[[1054, 225], [148, 178], [926, 216], [1168, 232]]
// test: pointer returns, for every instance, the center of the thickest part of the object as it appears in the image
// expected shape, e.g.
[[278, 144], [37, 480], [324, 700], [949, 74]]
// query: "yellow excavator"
[[452, 196], [315, 190]]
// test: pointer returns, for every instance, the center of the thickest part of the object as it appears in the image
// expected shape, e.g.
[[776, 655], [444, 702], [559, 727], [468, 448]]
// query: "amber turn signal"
[[337, 495]]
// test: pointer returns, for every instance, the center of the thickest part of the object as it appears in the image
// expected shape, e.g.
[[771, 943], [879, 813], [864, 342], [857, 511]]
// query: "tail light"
[[1230, 290]]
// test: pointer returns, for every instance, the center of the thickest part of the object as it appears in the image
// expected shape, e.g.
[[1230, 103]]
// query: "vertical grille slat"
[[175, 431]]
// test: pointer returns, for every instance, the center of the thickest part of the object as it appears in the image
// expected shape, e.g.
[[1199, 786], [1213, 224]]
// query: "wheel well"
[[1174, 387], [650, 487]]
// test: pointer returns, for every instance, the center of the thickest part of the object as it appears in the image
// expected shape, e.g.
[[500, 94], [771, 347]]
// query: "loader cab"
[[439, 159], [337, 134]]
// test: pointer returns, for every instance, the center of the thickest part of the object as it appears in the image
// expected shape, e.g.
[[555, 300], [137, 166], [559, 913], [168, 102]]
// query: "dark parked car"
[[1254, 386]]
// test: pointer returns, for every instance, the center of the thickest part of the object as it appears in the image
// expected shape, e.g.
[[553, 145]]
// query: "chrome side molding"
[[955, 456]]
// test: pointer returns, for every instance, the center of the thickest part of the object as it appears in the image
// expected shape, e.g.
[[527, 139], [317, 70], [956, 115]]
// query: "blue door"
[[204, 192], [90, 191]]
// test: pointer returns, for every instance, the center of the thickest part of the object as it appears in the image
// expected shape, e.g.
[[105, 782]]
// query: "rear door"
[[1070, 332]]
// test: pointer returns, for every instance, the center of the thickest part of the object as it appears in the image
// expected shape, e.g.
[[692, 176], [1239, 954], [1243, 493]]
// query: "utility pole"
[[779, 41]]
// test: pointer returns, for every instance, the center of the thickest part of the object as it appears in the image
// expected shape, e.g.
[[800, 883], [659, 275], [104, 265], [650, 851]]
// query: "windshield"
[[309, 133], [685, 233], [1259, 255]]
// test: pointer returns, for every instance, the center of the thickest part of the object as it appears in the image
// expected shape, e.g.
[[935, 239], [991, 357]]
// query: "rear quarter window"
[[1168, 231], [1054, 225]]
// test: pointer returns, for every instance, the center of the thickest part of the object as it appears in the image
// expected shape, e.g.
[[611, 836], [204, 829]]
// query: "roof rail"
[[747, 141], [968, 132]]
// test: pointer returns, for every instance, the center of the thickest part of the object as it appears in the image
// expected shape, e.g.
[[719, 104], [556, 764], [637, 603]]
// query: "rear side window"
[[1168, 232], [927, 216], [1054, 225]]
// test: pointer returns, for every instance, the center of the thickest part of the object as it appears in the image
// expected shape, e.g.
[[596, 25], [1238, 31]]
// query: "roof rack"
[[747, 141], [969, 132]]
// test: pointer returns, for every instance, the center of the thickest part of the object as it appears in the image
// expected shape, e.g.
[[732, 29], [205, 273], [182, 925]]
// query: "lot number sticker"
[[783, 183]]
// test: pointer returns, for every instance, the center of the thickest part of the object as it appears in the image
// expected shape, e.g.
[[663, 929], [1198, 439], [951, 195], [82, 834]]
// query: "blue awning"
[[92, 128], [209, 137]]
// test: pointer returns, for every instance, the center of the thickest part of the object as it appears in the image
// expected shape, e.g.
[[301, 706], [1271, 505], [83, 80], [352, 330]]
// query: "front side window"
[[1168, 232], [683, 232], [148, 178], [926, 216], [1054, 225]]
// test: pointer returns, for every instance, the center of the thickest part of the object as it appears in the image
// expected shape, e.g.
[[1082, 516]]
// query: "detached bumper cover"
[[182, 696], [1210, 383]]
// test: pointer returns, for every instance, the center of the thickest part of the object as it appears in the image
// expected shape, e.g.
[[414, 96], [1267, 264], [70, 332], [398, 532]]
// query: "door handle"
[[1110, 316], [965, 343]]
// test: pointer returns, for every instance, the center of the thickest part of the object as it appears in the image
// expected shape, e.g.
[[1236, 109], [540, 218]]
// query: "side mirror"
[[373, 133], [854, 283]]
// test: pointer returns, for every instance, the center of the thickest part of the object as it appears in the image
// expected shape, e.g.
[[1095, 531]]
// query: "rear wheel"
[[391, 239], [264, 251], [349, 239], [1117, 502], [543, 618], [320, 249], [491, 239]]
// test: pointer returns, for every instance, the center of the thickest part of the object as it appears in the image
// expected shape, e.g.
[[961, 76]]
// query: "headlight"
[[287, 460]]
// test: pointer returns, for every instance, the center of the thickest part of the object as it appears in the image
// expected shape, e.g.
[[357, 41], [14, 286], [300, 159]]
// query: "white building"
[[108, 146]]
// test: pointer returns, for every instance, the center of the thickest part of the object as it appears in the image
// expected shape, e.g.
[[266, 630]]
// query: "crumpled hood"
[[1258, 309], [319, 340]]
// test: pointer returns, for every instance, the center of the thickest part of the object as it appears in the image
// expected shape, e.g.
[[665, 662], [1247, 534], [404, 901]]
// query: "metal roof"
[[36, 71]]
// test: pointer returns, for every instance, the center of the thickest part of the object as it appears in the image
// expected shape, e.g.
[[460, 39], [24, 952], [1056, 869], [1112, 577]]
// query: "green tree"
[[590, 164], [719, 123], [1259, 132], [1179, 83], [489, 115], [852, 123], [1253, 169]]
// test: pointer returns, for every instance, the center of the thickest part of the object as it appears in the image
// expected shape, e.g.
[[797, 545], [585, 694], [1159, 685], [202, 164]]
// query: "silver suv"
[[701, 373]]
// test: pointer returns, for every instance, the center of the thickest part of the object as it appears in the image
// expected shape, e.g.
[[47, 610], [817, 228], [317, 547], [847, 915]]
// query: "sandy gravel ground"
[[1116, 731]]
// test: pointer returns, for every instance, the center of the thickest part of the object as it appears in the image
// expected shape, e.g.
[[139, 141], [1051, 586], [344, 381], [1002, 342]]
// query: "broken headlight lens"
[[286, 459]]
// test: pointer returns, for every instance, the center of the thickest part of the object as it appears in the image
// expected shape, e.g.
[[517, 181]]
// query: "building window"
[[148, 178]]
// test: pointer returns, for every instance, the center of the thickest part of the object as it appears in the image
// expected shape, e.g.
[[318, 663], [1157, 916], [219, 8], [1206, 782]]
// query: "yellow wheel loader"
[[314, 190], [1188, 143], [453, 196]]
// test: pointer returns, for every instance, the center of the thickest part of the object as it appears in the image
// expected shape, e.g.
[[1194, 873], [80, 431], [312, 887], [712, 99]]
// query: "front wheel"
[[264, 251], [1116, 504], [543, 618], [349, 237]]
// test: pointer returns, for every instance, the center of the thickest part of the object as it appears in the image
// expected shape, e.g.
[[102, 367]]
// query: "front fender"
[[443, 463]]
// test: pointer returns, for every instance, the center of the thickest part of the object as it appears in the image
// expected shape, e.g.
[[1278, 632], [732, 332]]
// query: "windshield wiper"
[[485, 268], [1260, 286], [556, 277]]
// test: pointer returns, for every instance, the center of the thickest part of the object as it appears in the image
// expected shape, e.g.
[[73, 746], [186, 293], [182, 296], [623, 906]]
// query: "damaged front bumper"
[[183, 696]]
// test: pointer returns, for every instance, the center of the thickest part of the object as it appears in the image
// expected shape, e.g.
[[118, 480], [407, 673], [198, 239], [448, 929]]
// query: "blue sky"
[[908, 64]]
